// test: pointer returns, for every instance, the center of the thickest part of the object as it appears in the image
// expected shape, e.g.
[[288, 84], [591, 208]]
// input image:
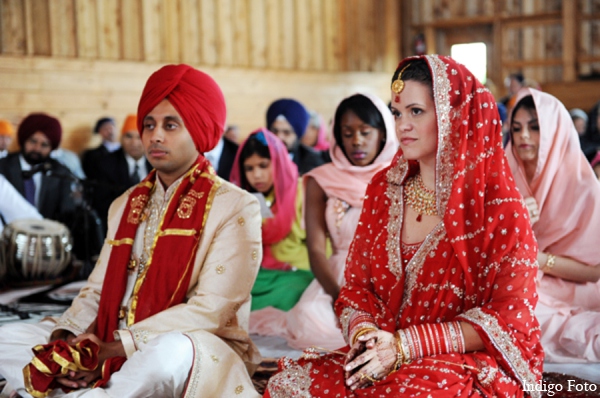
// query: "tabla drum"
[[35, 251]]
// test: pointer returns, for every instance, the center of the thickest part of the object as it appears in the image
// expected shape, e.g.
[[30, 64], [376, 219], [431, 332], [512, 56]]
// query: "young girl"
[[263, 166], [363, 143]]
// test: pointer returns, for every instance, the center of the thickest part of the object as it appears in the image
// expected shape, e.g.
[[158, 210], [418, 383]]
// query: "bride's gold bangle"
[[360, 333]]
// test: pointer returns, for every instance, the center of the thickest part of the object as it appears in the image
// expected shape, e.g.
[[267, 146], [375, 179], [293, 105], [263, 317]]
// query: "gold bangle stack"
[[549, 262]]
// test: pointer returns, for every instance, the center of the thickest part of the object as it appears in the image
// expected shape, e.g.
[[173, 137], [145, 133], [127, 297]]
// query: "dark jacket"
[[109, 182], [90, 159], [55, 195], [230, 148], [306, 158]]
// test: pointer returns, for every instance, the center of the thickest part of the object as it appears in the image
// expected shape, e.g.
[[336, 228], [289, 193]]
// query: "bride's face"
[[416, 121]]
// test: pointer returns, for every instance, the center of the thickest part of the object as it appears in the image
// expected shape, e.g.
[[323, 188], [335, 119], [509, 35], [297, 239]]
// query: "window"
[[473, 56]]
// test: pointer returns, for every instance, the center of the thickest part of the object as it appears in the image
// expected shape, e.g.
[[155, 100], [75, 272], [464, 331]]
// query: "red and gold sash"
[[165, 278]]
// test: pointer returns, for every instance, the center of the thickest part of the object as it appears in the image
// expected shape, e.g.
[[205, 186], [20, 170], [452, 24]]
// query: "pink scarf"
[[348, 182], [285, 184], [322, 143], [564, 185]]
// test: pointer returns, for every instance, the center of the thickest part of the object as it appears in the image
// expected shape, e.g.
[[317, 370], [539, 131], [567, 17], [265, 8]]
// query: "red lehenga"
[[477, 266]]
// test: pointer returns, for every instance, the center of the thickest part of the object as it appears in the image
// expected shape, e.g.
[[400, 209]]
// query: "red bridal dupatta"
[[478, 265]]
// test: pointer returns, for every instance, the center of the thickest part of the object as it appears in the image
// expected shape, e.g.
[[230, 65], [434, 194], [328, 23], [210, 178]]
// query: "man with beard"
[[168, 302], [288, 119], [43, 181]]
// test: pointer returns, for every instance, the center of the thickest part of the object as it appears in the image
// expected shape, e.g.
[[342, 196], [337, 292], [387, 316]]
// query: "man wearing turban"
[[165, 311], [120, 169], [7, 133], [288, 119], [38, 177]]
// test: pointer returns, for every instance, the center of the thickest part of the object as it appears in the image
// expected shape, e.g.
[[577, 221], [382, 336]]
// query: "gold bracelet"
[[363, 331], [400, 355], [549, 262]]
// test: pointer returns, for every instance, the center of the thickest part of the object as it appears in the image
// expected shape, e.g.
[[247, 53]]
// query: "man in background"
[[119, 170], [287, 119], [7, 133], [107, 129], [41, 180], [221, 157]]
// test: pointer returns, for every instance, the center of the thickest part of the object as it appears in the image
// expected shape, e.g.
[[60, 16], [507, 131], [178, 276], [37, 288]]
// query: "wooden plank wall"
[[304, 35], [79, 92], [83, 59], [552, 42]]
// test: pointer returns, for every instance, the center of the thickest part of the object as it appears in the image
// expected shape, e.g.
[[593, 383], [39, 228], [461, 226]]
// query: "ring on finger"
[[371, 379]]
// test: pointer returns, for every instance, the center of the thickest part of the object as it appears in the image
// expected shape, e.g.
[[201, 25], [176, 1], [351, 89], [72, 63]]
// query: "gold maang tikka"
[[398, 84]]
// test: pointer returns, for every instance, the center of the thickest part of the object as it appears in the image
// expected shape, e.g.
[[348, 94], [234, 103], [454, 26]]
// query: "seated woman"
[[364, 143], [563, 198], [590, 141], [315, 135], [440, 291], [263, 166]]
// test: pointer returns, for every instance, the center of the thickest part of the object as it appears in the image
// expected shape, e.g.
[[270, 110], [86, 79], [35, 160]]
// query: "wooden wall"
[[552, 42], [84, 59], [78, 92], [306, 35]]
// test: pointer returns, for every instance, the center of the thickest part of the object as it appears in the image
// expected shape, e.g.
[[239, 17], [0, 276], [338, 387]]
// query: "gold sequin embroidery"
[[137, 206], [186, 206], [241, 221], [220, 269]]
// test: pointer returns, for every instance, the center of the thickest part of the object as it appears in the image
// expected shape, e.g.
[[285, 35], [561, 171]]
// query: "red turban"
[[196, 97], [43, 123]]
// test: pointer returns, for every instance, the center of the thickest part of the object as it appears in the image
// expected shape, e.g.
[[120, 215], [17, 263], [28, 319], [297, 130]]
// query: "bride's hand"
[[376, 362]]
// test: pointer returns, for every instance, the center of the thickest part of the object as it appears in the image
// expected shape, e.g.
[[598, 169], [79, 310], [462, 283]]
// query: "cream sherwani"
[[214, 319]]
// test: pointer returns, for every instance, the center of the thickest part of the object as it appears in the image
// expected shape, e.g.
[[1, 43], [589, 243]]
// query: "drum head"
[[35, 251]]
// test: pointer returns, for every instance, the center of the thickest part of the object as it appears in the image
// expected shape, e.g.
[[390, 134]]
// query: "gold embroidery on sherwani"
[[209, 202], [186, 206], [124, 241], [178, 232], [154, 229], [138, 204]]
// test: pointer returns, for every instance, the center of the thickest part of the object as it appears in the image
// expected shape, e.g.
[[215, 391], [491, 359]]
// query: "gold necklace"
[[419, 197]]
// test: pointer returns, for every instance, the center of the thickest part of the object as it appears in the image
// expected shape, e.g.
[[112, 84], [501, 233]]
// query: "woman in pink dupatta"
[[316, 133], [563, 197], [334, 197]]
